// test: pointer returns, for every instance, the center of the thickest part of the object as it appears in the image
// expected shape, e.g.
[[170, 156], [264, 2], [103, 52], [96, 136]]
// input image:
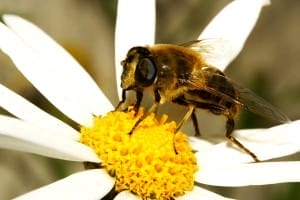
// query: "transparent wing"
[[250, 101], [243, 96], [215, 51]]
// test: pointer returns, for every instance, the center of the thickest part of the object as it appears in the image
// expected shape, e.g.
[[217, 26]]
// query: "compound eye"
[[145, 72]]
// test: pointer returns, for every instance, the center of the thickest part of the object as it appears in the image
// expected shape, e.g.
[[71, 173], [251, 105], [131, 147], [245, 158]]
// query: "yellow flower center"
[[152, 162]]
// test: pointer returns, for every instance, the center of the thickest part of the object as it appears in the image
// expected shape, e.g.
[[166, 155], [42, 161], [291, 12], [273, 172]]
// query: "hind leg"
[[195, 123], [229, 130]]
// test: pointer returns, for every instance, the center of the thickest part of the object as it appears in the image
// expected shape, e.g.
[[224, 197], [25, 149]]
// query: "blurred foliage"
[[259, 84], [292, 192]]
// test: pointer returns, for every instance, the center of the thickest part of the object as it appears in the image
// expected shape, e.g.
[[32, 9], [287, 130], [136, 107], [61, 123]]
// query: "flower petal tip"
[[266, 2], [7, 18]]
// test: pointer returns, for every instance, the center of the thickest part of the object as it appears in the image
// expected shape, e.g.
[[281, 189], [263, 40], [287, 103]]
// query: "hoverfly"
[[183, 74]]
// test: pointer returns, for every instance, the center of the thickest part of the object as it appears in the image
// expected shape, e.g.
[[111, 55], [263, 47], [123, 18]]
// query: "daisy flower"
[[144, 164]]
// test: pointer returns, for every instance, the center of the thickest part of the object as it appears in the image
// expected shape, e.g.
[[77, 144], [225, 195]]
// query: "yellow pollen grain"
[[152, 162]]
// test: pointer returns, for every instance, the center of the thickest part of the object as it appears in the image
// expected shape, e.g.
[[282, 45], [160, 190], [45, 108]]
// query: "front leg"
[[157, 99], [122, 100], [152, 109], [139, 98]]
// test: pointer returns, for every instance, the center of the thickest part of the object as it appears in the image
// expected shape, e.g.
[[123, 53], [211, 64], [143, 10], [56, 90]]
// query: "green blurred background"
[[269, 65]]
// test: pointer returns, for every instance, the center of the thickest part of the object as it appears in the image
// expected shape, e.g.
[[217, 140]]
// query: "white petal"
[[248, 174], [52, 70], [196, 193], [19, 135], [88, 185], [126, 195], [223, 153], [63, 63], [200, 193], [34, 69], [23, 109], [278, 141], [233, 24], [198, 144], [220, 152], [135, 26]]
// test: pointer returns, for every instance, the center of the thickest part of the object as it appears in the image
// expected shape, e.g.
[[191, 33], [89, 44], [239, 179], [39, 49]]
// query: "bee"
[[182, 74]]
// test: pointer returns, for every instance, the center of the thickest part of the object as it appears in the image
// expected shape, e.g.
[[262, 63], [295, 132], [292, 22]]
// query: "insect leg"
[[153, 108], [139, 97], [229, 124], [195, 123], [182, 101], [182, 122], [122, 100], [157, 99], [204, 105], [186, 117], [229, 130]]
